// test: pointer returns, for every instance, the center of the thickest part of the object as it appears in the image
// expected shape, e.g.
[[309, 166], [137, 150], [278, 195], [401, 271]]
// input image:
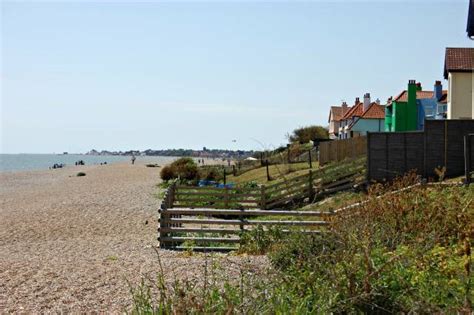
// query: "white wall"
[[460, 95]]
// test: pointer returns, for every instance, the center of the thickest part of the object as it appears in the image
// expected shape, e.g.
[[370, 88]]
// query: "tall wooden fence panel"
[[393, 154], [339, 150], [440, 145]]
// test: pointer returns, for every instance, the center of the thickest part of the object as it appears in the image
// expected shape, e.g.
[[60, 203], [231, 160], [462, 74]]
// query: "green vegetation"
[[81, 174], [277, 172], [183, 168], [406, 252], [306, 134]]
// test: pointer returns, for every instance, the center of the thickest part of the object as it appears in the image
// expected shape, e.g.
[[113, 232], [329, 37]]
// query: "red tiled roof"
[[351, 111], [375, 111], [403, 96], [338, 112], [458, 60]]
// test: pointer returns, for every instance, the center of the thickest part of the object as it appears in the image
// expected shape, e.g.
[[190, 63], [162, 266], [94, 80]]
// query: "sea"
[[29, 162]]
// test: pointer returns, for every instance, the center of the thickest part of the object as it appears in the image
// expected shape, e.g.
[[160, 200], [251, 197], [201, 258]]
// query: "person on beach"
[[133, 159]]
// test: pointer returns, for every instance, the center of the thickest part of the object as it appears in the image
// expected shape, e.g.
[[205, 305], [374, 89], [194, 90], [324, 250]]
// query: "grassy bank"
[[406, 252]]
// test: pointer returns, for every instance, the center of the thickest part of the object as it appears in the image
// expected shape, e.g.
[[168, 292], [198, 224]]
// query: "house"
[[458, 70], [361, 118], [335, 115], [409, 109]]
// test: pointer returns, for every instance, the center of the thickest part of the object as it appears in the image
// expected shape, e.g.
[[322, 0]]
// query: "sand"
[[71, 244]]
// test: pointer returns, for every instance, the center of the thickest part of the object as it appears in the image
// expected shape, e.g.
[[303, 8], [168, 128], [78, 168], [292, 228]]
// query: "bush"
[[183, 168], [81, 174], [167, 173], [210, 173]]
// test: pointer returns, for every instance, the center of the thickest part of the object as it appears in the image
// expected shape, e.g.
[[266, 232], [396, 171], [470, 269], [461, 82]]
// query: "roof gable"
[[458, 60]]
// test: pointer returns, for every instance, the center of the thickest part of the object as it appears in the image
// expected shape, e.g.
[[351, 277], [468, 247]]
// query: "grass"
[[278, 172], [408, 252]]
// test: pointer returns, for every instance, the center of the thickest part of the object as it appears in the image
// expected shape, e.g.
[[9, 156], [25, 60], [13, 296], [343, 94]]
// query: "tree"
[[305, 134]]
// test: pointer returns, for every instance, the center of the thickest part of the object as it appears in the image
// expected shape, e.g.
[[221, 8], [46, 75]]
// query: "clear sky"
[[138, 75]]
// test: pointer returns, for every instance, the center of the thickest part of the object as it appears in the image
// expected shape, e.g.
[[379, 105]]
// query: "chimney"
[[357, 101], [377, 101], [438, 90], [344, 107], [366, 101], [412, 88], [418, 87]]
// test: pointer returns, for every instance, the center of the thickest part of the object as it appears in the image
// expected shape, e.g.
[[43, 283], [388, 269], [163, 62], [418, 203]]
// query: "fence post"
[[226, 197], [234, 171], [263, 198], [310, 162], [224, 176], [268, 171], [163, 219], [467, 157], [310, 187]]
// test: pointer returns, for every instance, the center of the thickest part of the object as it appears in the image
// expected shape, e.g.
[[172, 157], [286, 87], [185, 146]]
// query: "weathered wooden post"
[[163, 220], [268, 171], [467, 157], [263, 198], [226, 197], [234, 170], [311, 193], [224, 176], [310, 162]]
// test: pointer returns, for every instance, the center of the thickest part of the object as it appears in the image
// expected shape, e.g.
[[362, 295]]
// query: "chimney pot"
[[366, 101]]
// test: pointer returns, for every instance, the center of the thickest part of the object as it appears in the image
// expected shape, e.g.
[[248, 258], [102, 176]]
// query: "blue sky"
[[138, 75]]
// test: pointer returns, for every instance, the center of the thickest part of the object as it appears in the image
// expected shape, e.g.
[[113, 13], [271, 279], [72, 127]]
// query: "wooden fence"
[[183, 228], [281, 193], [195, 215], [338, 150], [439, 147]]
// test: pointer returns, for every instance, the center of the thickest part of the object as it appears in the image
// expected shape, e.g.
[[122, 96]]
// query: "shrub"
[[81, 174], [183, 168], [210, 173], [167, 173]]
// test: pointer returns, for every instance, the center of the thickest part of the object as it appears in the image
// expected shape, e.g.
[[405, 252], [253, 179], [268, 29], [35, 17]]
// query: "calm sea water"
[[27, 162]]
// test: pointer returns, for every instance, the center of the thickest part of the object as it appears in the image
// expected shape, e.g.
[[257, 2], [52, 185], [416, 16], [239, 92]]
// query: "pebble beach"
[[76, 244]]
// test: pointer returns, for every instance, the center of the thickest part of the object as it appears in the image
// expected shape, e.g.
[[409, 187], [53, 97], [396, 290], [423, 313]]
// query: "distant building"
[[361, 118], [335, 115], [458, 70], [409, 109]]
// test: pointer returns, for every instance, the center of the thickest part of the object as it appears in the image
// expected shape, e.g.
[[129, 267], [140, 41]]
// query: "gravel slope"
[[70, 244]]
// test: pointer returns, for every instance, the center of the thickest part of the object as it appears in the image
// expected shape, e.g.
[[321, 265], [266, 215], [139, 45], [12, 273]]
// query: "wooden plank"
[[231, 195], [198, 230], [204, 211], [171, 239], [206, 249], [213, 206], [197, 200], [337, 183], [287, 197], [246, 222], [290, 186]]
